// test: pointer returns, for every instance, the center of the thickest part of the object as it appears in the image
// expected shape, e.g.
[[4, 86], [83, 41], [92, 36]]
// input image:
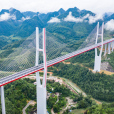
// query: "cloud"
[[78, 19], [54, 20], [72, 18], [6, 16], [110, 25], [25, 18], [93, 19]]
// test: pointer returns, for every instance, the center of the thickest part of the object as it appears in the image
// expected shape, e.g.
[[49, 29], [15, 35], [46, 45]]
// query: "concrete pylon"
[[105, 49], [109, 47], [2, 100], [41, 88], [112, 46], [97, 63]]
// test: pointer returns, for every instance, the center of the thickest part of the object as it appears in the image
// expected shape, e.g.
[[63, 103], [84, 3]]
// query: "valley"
[[75, 82]]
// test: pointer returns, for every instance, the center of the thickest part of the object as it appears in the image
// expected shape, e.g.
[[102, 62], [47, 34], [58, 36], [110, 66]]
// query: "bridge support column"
[[97, 63], [41, 88], [2, 100], [105, 49], [112, 46], [109, 46], [41, 100]]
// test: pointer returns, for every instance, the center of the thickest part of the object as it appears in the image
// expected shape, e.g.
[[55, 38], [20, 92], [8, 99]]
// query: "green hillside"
[[99, 86]]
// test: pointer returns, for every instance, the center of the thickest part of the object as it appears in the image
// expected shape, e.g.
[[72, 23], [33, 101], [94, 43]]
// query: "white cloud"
[[25, 18], [72, 18], [86, 16], [6, 16], [13, 17], [93, 19], [110, 25], [54, 20]]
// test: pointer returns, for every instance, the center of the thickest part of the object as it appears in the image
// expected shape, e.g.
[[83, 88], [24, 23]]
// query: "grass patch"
[[78, 111]]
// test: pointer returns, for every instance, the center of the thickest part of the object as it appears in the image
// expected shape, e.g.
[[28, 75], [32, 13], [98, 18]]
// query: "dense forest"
[[86, 59], [111, 59], [16, 95], [101, 109], [100, 86], [57, 103], [19, 92]]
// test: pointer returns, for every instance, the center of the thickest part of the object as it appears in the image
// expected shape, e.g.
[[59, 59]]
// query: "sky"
[[44, 6]]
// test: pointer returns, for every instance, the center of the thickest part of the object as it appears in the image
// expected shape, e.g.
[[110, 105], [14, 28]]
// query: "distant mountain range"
[[72, 23]]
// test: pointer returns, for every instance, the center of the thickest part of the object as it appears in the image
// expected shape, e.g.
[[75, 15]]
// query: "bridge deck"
[[21, 74]]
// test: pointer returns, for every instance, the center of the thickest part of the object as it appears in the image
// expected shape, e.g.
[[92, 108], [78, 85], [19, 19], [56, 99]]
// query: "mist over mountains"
[[22, 24]]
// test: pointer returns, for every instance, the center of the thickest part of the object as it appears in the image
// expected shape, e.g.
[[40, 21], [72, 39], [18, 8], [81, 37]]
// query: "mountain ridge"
[[22, 24]]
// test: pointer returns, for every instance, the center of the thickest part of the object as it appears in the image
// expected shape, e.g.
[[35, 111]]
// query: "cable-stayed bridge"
[[41, 88], [21, 74]]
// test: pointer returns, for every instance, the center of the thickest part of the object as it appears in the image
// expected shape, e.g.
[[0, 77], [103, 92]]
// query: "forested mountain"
[[16, 25], [13, 21], [30, 14], [70, 27], [14, 12], [66, 30], [100, 86], [71, 24]]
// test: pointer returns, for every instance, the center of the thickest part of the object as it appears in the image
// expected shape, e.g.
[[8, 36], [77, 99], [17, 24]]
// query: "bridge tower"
[[97, 62], [41, 88]]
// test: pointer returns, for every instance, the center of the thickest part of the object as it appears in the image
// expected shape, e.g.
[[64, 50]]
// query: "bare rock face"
[[106, 66]]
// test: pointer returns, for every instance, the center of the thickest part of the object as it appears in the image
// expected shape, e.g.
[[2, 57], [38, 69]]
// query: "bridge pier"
[[41, 100], [2, 100], [41, 88], [112, 46], [105, 49], [109, 47], [97, 63]]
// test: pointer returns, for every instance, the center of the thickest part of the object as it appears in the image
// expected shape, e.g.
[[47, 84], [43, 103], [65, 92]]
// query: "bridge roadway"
[[23, 73]]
